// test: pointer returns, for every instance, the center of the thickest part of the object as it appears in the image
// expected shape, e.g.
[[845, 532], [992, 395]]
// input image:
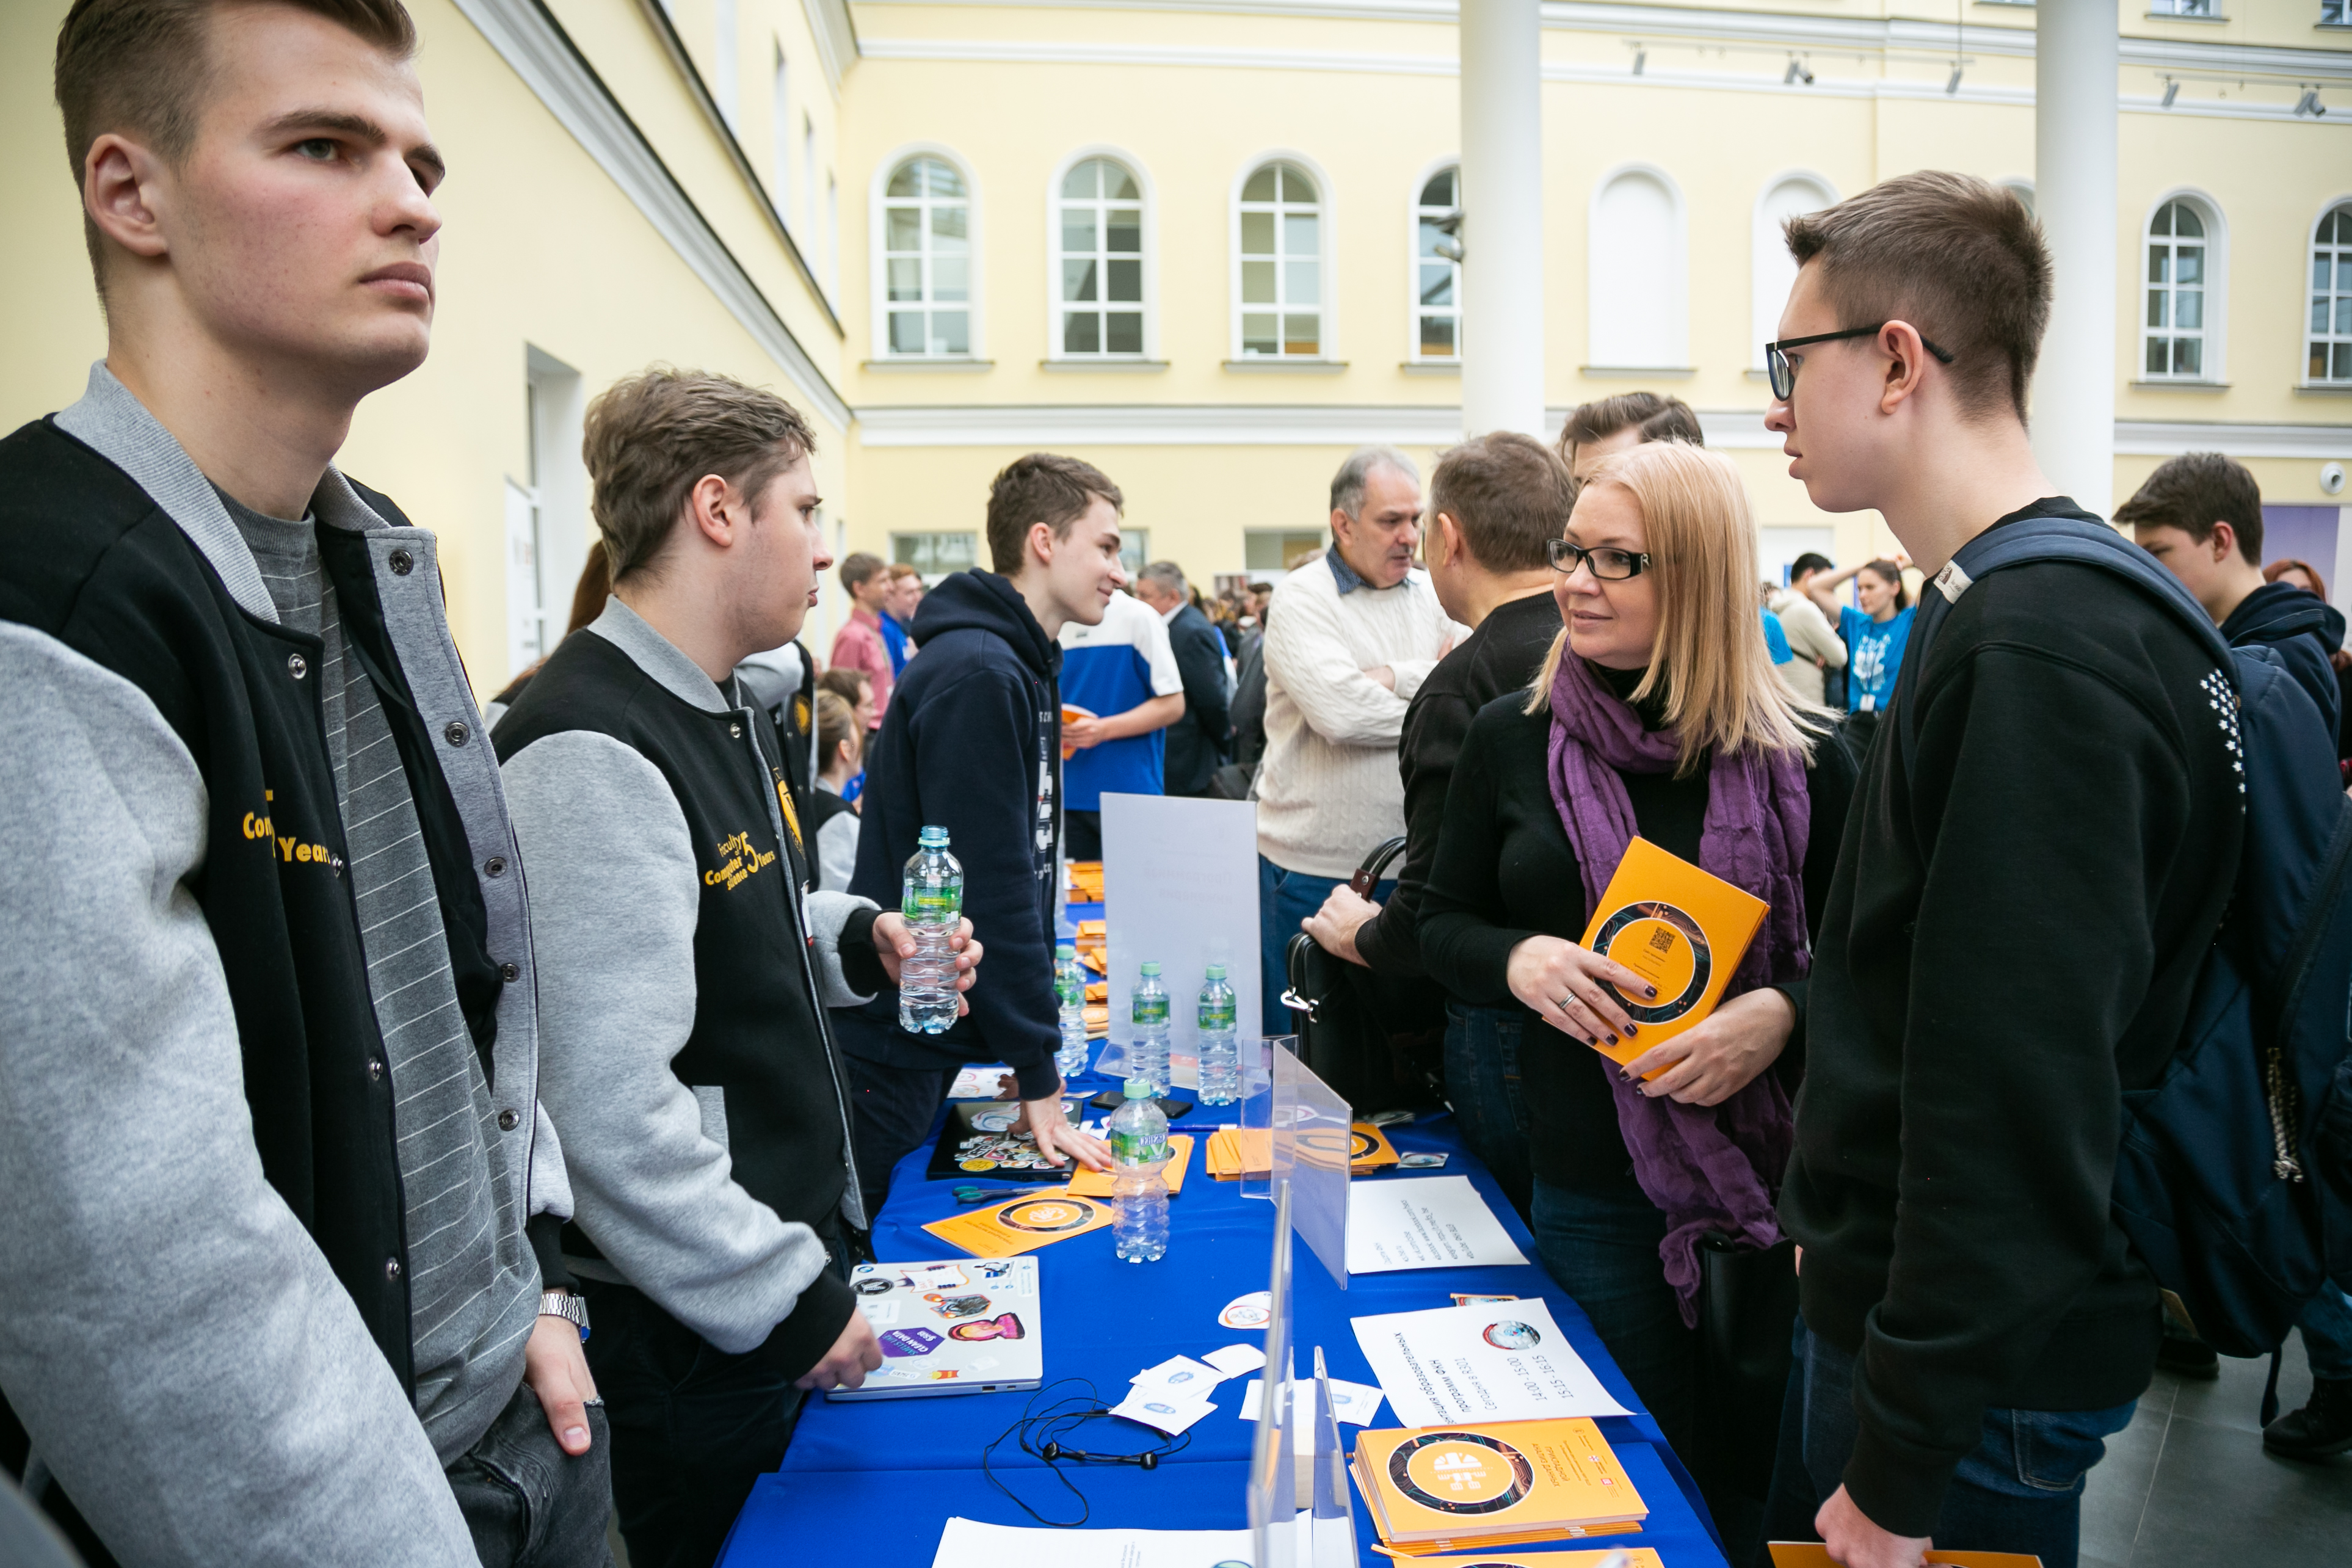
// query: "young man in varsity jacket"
[[685, 966], [268, 1129]]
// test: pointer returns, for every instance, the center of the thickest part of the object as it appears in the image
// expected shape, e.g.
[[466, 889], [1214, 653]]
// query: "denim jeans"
[[1482, 1085], [529, 1503], [1603, 1249], [1283, 900], [2020, 1490], [2326, 1327]]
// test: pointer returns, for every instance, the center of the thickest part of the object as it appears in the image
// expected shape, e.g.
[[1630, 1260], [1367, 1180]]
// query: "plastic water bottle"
[[1070, 991], [1221, 1047], [930, 897], [1139, 1149], [1147, 1058]]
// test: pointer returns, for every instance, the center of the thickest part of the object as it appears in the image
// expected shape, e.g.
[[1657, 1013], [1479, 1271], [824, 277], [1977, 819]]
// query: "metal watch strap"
[[572, 1309]]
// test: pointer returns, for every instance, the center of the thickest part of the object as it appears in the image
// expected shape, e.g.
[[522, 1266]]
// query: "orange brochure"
[[1510, 1483], [1099, 1183], [1022, 1224], [1678, 928]]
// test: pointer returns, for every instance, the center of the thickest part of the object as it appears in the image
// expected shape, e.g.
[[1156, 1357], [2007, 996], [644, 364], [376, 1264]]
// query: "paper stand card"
[[1273, 1484], [967, 1543], [1501, 1360], [1424, 1222], [1678, 927], [1312, 1142], [1180, 885], [1022, 1224]]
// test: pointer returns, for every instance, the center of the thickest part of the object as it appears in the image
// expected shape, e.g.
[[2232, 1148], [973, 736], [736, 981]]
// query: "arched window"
[[1279, 254], [1639, 304], [2328, 353], [926, 260], [1436, 280], [1098, 257], [2181, 309], [1771, 270]]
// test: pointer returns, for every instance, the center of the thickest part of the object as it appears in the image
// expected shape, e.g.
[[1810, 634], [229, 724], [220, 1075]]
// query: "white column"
[[1502, 229], [2074, 193]]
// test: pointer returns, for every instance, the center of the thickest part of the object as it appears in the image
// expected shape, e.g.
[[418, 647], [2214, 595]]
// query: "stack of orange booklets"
[[1236, 1152], [1678, 928], [1506, 1483]]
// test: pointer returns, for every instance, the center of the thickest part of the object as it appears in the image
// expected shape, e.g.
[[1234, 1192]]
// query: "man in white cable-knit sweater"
[[1349, 639]]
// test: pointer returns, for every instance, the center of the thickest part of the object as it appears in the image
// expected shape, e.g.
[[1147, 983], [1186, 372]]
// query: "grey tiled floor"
[[2187, 1484]]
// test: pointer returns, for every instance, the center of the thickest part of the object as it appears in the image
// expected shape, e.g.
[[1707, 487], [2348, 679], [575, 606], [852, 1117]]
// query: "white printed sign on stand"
[[1180, 885], [1490, 1360]]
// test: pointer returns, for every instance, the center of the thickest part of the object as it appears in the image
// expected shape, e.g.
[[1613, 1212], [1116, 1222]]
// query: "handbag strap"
[[1368, 875]]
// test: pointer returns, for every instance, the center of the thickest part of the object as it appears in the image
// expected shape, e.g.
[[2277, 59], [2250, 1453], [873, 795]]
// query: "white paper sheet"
[[1234, 1360], [1161, 1411], [1180, 1376], [967, 1543], [1354, 1401], [1427, 1222], [1499, 1360], [979, 1083], [1180, 885]]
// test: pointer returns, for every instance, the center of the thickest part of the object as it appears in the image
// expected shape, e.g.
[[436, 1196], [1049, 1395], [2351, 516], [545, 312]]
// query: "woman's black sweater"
[[1505, 872]]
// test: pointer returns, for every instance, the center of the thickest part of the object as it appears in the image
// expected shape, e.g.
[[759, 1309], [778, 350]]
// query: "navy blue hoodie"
[[2304, 628], [973, 742]]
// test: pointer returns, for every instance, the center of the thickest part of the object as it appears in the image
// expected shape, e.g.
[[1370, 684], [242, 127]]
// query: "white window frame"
[[1414, 310], [877, 253], [1055, 353], [1765, 239], [1327, 210], [2303, 296], [2215, 332], [1678, 261], [780, 132]]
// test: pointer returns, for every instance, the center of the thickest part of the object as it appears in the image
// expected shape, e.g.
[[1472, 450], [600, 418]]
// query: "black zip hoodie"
[[973, 742], [2014, 931], [2304, 628]]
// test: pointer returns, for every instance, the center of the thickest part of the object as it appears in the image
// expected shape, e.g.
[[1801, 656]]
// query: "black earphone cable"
[[1061, 1416]]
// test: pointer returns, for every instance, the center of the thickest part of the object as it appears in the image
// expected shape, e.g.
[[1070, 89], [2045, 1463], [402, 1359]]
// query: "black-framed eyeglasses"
[[1609, 566], [1784, 375]]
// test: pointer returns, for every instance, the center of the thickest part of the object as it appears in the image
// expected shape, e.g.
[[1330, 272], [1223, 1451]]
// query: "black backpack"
[[2233, 1178]]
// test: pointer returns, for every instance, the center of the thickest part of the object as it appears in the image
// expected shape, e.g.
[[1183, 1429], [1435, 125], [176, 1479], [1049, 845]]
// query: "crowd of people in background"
[[327, 1132]]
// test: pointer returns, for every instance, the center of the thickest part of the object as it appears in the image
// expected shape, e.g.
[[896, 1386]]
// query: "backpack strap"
[[2035, 538]]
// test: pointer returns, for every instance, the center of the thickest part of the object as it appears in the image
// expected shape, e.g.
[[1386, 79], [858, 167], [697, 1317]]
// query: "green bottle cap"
[[1150, 967], [1216, 971], [1138, 1089]]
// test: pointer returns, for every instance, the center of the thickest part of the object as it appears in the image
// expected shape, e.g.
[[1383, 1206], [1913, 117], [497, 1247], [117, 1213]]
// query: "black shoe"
[[2186, 1357], [2321, 1428]]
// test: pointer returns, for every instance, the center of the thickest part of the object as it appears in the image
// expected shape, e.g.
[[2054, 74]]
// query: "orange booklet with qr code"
[[1678, 928]]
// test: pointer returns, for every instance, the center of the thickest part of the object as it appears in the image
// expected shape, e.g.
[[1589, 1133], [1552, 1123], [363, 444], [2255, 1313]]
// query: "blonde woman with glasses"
[[1657, 713]]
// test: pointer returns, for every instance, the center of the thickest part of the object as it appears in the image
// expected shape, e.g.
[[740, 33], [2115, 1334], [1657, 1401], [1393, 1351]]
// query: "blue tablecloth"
[[873, 1483]]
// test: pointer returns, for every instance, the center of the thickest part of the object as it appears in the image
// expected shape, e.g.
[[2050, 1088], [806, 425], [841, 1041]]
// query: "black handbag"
[[1379, 1044], [1747, 1309]]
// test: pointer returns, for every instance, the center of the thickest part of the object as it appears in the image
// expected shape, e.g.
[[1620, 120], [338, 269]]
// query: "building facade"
[[1204, 244]]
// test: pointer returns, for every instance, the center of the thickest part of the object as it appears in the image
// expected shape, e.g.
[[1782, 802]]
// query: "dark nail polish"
[[1633, 1029], [1653, 991], [1625, 1073]]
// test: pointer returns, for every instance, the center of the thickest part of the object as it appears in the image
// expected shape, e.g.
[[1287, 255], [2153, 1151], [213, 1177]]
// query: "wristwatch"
[[563, 1304]]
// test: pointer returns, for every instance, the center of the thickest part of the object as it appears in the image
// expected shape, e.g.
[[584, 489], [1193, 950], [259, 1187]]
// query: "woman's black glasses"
[[1609, 566], [1784, 375]]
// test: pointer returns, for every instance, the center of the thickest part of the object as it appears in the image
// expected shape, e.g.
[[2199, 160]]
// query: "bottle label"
[[1137, 1148], [1217, 1016], [929, 906], [1069, 993], [1150, 1009]]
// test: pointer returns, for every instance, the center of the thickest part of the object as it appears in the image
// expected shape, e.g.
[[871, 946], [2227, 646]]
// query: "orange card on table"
[[1022, 1224], [1100, 1183], [1680, 929], [1813, 1554], [1631, 1556], [1369, 1149], [1506, 1483]]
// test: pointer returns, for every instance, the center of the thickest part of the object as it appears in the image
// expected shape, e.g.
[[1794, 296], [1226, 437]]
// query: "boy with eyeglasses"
[[2021, 905]]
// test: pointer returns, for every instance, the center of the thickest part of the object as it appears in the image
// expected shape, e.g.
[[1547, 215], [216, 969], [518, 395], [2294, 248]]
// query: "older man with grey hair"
[[1349, 637]]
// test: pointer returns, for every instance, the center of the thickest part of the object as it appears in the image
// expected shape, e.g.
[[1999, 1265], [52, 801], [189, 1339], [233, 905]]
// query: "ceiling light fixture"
[[1953, 86], [1641, 59], [1797, 72], [2309, 103], [2171, 91]]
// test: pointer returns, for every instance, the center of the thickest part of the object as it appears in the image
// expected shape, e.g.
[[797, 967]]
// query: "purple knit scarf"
[[1706, 1168]]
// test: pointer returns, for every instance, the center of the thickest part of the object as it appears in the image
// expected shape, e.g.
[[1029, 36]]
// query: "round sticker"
[[993, 1121], [1360, 1144], [1510, 1336], [872, 1287], [1461, 1472], [1046, 1216], [976, 1163], [1658, 940]]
